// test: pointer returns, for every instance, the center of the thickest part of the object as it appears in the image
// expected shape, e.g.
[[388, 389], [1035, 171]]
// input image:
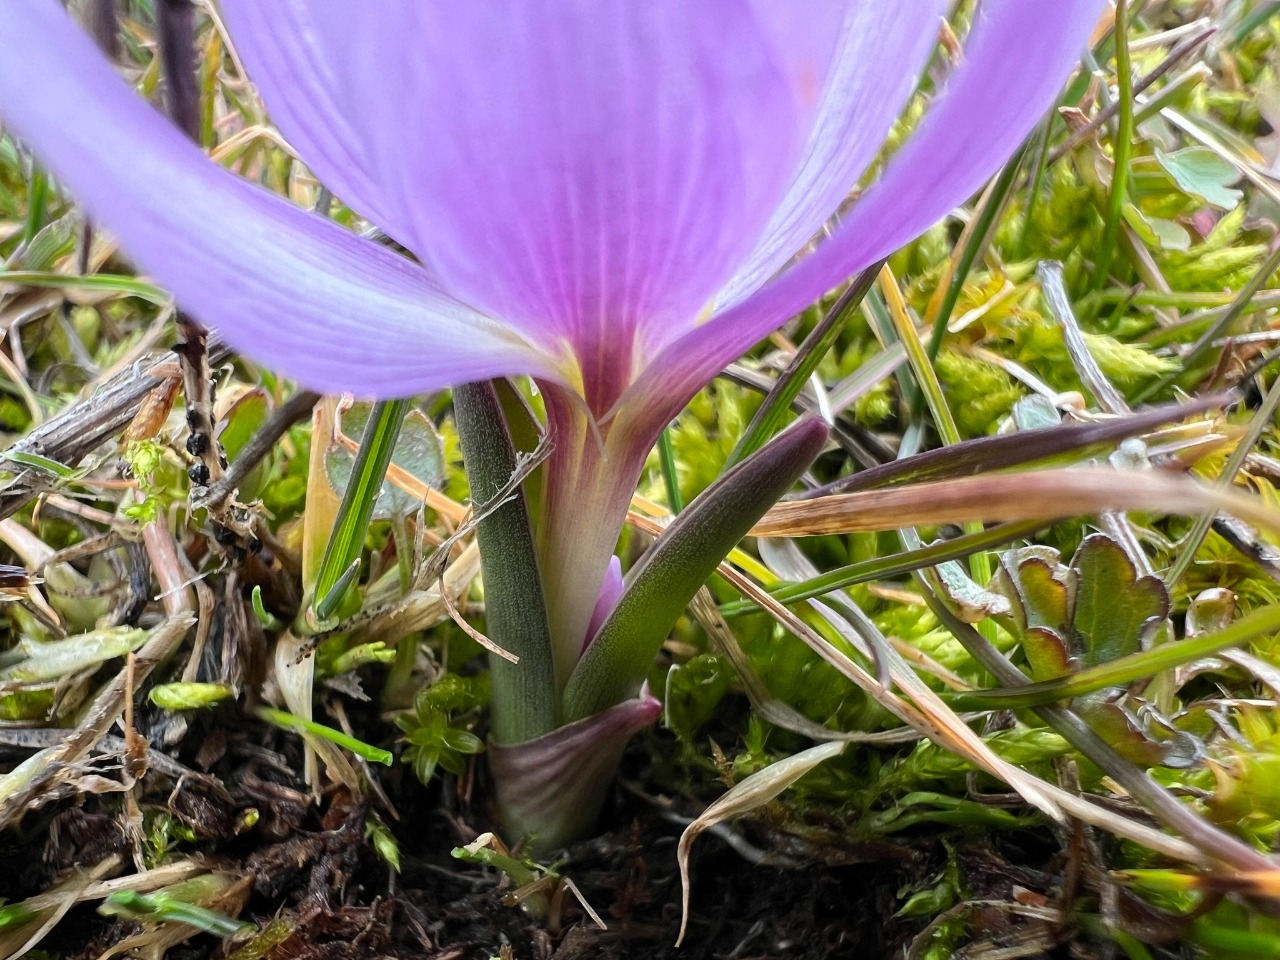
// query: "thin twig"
[[296, 408], [1105, 115]]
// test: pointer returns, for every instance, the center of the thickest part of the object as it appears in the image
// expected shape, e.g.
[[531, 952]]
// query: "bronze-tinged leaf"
[[1046, 592], [1047, 654], [1005, 581], [1136, 734]]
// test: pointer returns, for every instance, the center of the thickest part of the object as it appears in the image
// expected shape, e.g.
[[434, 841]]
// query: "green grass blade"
[[101, 282], [1122, 671], [670, 473], [879, 568], [773, 412], [1123, 149], [978, 235], [347, 538], [295, 724]]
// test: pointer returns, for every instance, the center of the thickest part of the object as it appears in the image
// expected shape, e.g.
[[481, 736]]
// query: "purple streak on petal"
[[581, 167], [554, 787], [883, 48], [610, 591], [290, 289], [1019, 53]]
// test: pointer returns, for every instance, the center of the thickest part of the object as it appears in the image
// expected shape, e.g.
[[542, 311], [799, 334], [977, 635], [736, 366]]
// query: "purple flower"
[[600, 191], [607, 195]]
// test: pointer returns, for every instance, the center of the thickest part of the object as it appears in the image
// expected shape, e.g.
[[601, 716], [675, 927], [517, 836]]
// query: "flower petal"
[[610, 592], [295, 291], [882, 50], [1017, 57], [583, 167], [309, 100]]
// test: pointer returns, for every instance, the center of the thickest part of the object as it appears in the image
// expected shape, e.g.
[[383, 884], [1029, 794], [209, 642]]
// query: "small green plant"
[[437, 731]]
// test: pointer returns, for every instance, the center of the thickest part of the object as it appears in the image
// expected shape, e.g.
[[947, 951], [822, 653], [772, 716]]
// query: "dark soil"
[[320, 892], [324, 893]]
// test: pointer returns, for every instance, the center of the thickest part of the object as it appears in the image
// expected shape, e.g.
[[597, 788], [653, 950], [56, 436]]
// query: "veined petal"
[[883, 48], [586, 168], [310, 100], [290, 289], [1018, 55]]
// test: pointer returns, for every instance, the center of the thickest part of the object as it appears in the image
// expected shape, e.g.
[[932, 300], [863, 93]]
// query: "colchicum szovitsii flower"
[[606, 195]]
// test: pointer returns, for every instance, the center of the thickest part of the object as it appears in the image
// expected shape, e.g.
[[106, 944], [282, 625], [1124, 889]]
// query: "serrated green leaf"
[[1045, 591], [1115, 608]]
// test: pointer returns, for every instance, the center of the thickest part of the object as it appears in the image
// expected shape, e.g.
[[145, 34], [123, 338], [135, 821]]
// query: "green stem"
[[772, 414], [37, 205], [1123, 146], [670, 471], [524, 693], [979, 234]]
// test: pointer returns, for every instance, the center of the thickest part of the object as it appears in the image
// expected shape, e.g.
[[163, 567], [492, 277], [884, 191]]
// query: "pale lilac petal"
[[310, 101], [883, 48], [557, 783], [610, 593], [581, 167], [1017, 58], [288, 288]]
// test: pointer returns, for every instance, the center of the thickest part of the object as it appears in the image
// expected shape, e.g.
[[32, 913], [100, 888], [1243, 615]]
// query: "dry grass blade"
[[934, 719], [777, 712], [1008, 451], [59, 900], [422, 608], [1038, 495], [110, 702], [456, 615], [926, 713], [752, 793]]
